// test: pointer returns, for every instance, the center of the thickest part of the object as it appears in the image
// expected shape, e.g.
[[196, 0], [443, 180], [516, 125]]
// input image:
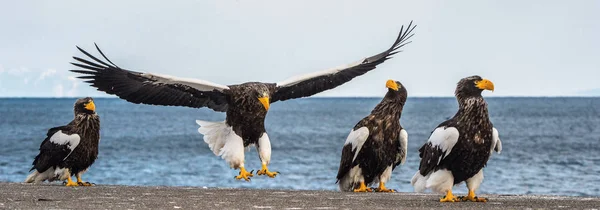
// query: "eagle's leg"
[[264, 153], [244, 174], [471, 197], [449, 197], [265, 171], [80, 182], [363, 188], [382, 188], [473, 184], [70, 182]]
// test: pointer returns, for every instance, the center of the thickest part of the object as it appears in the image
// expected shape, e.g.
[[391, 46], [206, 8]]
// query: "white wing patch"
[[357, 138], [445, 139], [201, 85], [298, 79], [404, 143], [496, 143], [63, 139]]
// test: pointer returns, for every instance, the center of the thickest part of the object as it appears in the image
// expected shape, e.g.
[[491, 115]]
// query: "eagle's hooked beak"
[[485, 84], [264, 101], [391, 84], [90, 106]]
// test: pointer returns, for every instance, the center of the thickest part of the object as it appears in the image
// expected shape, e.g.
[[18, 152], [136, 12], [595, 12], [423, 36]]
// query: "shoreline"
[[45, 196]]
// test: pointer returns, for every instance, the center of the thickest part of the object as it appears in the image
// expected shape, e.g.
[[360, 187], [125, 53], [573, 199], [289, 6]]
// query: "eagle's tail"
[[51, 174], [439, 181], [419, 182], [350, 180], [223, 141]]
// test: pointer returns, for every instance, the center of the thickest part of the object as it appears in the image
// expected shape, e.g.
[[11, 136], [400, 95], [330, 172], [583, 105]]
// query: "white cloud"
[[74, 84], [26, 81], [18, 71], [58, 90], [1, 69], [44, 74]]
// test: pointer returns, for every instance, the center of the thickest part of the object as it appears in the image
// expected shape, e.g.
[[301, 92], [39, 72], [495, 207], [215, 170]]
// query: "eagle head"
[[85, 105]]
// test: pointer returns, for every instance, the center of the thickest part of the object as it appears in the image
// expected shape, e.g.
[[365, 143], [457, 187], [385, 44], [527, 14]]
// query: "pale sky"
[[527, 48]]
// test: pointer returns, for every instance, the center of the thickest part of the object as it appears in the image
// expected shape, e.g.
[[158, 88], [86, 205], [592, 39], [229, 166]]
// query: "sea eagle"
[[69, 150], [459, 148], [376, 145], [246, 104]]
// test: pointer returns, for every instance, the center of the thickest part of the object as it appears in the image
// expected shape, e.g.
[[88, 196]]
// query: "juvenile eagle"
[[246, 104], [459, 148], [376, 145], [71, 149]]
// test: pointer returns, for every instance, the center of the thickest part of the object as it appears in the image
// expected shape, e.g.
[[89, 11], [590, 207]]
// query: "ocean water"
[[550, 145]]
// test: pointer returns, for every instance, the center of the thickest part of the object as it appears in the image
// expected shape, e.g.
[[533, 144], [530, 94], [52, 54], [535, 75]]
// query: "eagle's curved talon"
[[70, 183], [471, 197], [363, 188], [244, 174], [449, 197], [382, 188], [265, 171], [87, 184]]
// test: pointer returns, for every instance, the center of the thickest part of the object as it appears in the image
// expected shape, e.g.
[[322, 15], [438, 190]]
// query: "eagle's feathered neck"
[[391, 104], [85, 123]]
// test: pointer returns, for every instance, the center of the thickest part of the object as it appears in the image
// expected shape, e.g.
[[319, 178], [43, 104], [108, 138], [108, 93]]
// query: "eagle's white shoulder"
[[444, 138], [71, 141], [357, 138]]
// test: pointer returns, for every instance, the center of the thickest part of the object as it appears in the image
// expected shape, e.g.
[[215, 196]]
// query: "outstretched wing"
[[57, 146], [317, 82], [153, 89], [402, 149], [439, 145], [352, 146]]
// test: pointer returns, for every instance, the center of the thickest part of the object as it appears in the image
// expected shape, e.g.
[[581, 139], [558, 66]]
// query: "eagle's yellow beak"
[[485, 84], [391, 84], [90, 106], [264, 101]]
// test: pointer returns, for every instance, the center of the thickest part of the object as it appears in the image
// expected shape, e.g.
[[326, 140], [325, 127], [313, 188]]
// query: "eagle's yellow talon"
[[382, 188], [265, 171], [449, 197], [71, 183], [363, 188], [82, 183], [471, 197], [244, 174]]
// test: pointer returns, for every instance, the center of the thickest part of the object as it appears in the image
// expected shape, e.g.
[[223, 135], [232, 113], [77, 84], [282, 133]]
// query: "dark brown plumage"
[[71, 149], [246, 104], [376, 145]]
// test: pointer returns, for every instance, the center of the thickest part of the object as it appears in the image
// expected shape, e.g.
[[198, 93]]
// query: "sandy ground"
[[54, 196]]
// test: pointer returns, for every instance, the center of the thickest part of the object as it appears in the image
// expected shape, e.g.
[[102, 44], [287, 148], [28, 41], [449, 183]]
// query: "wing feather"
[[147, 88], [352, 146], [440, 144], [317, 82]]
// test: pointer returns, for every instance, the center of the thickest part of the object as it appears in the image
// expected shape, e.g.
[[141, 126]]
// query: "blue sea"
[[550, 145]]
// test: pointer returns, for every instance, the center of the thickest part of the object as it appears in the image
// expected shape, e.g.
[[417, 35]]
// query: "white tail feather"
[[51, 174], [352, 179], [223, 142], [419, 182]]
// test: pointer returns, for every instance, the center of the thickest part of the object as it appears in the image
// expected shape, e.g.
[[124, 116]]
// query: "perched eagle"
[[459, 148], [246, 104], [376, 145], [71, 149]]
